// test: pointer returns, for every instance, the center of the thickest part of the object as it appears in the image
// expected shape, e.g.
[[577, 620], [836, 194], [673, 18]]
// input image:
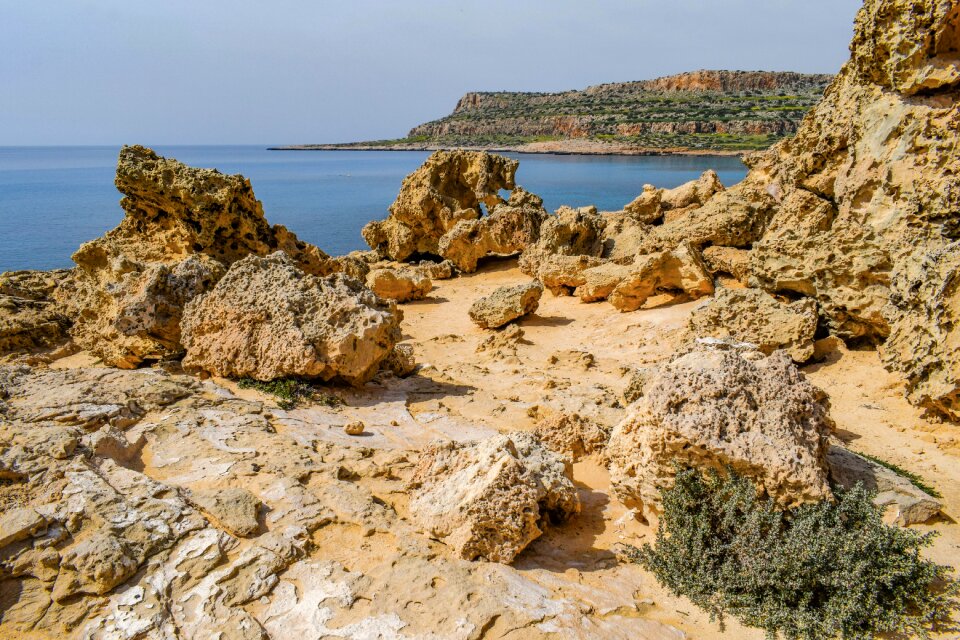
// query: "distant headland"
[[702, 112]]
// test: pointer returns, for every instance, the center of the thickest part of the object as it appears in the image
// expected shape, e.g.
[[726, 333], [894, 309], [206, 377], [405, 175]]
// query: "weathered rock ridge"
[[449, 188], [183, 228]]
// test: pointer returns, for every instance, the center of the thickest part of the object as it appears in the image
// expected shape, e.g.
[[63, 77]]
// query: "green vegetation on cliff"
[[702, 110]]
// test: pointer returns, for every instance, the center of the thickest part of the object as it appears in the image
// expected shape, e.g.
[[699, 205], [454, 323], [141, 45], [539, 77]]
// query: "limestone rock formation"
[[572, 435], [562, 274], [924, 344], [183, 228], [510, 228], [401, 361], [905, 504], [506, 304], [866, 193], [450, 186], [401, 285], [28, 325], [728, 260], [266, 319], [491, 498], [629, 286], [754, 316], [681, 269], [32, 285], [651, 205], [568, 232], [720, 406]]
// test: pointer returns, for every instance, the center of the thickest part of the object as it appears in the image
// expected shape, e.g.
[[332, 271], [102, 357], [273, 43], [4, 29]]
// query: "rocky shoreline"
[[211, 428]]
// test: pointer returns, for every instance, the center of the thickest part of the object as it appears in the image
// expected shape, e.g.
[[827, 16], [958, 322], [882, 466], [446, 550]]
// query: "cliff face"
[[866, 197], [701, 109]]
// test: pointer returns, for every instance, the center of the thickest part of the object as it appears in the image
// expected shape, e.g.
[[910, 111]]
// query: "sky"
[[311, 71]]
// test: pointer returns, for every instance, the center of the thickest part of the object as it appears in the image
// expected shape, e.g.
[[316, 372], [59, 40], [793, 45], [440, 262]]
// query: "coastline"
[[557, 148]]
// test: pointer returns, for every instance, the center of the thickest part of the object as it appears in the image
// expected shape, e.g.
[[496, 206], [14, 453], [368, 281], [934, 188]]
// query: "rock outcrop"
[[29, 325], [266, 319], [506, 304], [754, 316], [509, 229], [450, 187], [721, 406], [571, 435], [728, 260], [183, 228], [866, 195], [489, 499], [401, 285], [628, 287], [568, 232], [903, 502]]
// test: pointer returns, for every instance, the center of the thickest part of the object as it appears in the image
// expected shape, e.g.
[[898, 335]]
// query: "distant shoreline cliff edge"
[[699, 112]]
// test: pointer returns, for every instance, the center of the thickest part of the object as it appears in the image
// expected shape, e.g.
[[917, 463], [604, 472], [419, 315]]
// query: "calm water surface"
[[54, 198]]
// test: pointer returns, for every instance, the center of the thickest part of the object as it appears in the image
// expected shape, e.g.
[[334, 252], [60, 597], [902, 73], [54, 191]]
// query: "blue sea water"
[[52, 199]]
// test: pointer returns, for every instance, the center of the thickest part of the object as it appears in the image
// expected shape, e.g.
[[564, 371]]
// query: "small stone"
[[354, 428]]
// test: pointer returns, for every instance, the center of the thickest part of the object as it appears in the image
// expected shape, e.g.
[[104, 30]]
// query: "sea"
[[52, 199]]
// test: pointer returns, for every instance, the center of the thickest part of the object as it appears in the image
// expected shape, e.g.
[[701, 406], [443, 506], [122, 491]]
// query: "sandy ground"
[[577, 357]]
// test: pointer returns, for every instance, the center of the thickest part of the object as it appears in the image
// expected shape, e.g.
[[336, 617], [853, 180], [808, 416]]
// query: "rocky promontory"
[[700, 111]]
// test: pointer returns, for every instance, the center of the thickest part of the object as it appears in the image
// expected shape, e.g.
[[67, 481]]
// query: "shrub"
[[290, 391], [825, 570]]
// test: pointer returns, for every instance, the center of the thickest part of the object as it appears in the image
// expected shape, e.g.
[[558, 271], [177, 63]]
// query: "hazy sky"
[[292, 71]]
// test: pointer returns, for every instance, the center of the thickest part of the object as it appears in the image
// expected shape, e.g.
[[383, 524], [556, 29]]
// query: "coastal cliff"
[[699, 111]]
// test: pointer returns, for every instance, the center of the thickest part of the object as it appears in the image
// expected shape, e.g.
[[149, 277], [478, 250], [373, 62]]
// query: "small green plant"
[[290, 391], [917, 481], [825, 570]]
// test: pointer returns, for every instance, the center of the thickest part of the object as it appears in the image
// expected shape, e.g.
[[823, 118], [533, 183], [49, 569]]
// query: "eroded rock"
[[29, 325], [629, 286], [754, 316], [266, 319], [510, 228], [506, 304], [720, 406], [401, 285], [449, 187], [491, 498], [183, 228]]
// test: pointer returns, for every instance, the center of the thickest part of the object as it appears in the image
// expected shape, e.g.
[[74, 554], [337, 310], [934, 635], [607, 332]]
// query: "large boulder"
[[267, 319], [402, 285], [489, 499], [449, 187], [506, 304], [720, 406], [510, 228], [865, 196], [753, 315], [183, 228]]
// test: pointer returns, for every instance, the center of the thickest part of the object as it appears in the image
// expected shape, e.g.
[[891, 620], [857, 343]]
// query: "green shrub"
[[914, 478], [290, 391], [824, 570]]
